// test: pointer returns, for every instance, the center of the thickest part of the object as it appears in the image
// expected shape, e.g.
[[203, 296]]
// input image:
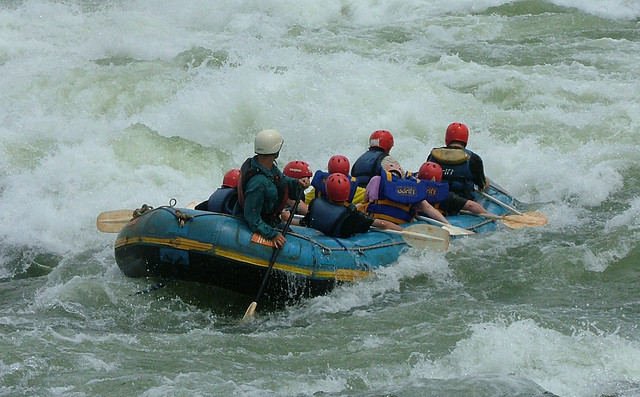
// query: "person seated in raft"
[[299, 170], [223, 199], [439, 195], [461, 167], [368, 164], [263, 190], [335, 216], [337, 164], [397, 197]]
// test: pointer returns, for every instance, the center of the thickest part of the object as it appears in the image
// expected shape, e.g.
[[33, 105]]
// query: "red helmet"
[[339, 164], [430, 171], [382, 139], [338, 187], [456, 132], [297, 169], [231, 178]]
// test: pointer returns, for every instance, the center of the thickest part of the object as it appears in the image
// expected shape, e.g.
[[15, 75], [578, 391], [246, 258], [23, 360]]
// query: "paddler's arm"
[[431, 212], [296, 188], [382, 224], [477, 170]]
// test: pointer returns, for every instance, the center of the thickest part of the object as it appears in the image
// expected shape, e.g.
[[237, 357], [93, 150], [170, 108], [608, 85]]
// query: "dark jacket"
[[461, 176], [336, 220], [368, 165]]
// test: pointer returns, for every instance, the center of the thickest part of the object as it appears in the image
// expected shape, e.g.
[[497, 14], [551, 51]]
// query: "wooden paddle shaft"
[[500, 203]]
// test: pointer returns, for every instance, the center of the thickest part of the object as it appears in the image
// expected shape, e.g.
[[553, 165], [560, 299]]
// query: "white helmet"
[[268, 142]]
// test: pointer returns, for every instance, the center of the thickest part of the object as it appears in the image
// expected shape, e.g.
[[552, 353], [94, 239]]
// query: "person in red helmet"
[[462, 168], [368, 164], [439, 195], [397, 196], [299, 170], [335, 216], [430, 171], [337, 164], [224, 198]]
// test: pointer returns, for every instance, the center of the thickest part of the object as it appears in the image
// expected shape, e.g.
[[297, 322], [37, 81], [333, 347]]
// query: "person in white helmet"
[[263, 190]]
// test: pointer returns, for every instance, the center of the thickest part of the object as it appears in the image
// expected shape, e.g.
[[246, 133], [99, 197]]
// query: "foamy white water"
[[108, 105]]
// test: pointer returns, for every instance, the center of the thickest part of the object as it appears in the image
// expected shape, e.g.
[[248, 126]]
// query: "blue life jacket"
[[320, 188], [457, 174], [318, 183], [396, 198], [437, 192], [327, 217], [223, 200], [368, 165]]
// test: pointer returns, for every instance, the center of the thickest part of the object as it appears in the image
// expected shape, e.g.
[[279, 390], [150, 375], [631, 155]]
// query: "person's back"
[[263, 190], [300, 170], [446, 201], [368, 164], [335, 216], [338, 164], [438, 193], [391, 196], [462, 168], [394, 197], [223, 199]]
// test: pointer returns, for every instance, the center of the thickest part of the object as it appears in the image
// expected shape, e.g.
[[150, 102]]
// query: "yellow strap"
[[404, 207], [359, 196], [387, 218]]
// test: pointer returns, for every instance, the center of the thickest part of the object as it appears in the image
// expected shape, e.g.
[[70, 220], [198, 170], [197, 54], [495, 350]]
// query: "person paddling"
[[397, 197], [441, 198], [368, 164], [462, 168], [335, 216], [339, 164], [299, 170], [263, 190], [223, 199]]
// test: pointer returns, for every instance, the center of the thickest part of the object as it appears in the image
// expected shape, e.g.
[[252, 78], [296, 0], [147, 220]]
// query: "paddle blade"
[[113, 221], [251, 310], [422, 236], [527, 219], [457, 231], [453, 230]]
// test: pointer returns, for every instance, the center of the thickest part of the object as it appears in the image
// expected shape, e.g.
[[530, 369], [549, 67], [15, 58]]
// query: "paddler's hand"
[[279, 240], [486, 185], [305, 182]]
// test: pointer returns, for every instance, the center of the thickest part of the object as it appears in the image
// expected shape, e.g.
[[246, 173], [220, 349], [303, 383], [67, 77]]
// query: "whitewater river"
[[111, 104]]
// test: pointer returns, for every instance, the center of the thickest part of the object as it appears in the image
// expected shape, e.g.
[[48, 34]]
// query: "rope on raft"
[[183, 218]]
